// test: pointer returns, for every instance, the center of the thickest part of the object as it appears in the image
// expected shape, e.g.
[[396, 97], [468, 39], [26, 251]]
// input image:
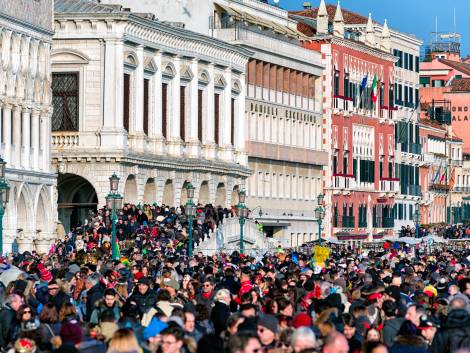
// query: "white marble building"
[[25, 106], [155, 103], [284, 138]]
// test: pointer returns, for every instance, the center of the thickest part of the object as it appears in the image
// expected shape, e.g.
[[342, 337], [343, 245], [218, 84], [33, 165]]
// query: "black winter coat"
[[144, 301], [8, 324], [454, 333], [94, 294], [219, 315]]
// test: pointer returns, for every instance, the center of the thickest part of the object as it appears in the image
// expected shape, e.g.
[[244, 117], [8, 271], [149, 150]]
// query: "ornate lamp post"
[[319, 214], [113, 203], [190, 210], [4, 198], [242, 213], [417, 218]]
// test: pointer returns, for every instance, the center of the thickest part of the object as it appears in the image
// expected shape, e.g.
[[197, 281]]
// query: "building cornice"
[[22, 25], [163, 162], [360, 47]]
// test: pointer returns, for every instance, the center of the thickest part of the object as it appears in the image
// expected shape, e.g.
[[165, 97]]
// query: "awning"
[[246, 17]]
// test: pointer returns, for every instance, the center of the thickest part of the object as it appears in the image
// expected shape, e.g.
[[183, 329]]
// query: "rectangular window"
[[417, 64], [335, 164], [182, 113], [126, 101], [200, 95], [390, 169], [346, 85], [336, 83], [164, 109], [355, 168], [146, 106], [410, 66], [416, 98], [406, 61], [345, 163], [216, 117], [65, 90], [381, 167]]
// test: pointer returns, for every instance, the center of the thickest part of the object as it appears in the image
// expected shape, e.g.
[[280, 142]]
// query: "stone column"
[[44, 141], [208, 140], [26, 138], [174, 143], [156, 135], [193, 145], [138, 130], [6, 120], [35, 137], [112, 132], [16, 121], [226, 125], [240, 122]]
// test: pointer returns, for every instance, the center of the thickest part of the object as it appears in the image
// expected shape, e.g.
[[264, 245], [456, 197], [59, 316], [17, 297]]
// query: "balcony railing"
[[456, 162], [461, 189], [390, 185], [338, 103], [344, 181], [414, 190], [65, 139], [439, 187], [414, 148]]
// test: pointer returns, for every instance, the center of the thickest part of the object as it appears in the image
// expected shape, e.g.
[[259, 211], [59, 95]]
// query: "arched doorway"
[[76, 198], [23, 216], [150, 192], [130, 190], [204, 193], [220, 195], [168, 196], [235, 191], [42, 211]]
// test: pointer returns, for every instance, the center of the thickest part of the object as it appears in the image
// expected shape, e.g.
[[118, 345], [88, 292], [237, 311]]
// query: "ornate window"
[[65, 90]]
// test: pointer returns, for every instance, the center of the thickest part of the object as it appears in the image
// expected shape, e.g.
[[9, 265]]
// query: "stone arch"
[[76, 197], [130, 58], [204, 193], [236, 87], [23, 214], [235, 191], [168, 193], [220, 195], [42, 212], [130, 190], [149, 65], [169, 69], [150, 191], [69, 56], [204, 77]]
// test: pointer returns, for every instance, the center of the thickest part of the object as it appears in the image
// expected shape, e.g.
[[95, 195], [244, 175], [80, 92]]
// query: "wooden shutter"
[[146, 106], [164, 108], [127, 80]]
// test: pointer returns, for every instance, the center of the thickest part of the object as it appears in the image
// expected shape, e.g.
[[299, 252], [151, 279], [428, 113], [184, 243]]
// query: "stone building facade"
[[284, 137], [158, 105], [26, 29]]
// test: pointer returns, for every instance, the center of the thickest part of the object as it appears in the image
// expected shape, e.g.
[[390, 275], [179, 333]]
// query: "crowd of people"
[[156, 299]]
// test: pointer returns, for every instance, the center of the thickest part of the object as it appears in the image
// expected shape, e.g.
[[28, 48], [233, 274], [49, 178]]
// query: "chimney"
[[385, 42], [370, 35], [338, 22], [322, 19], [307, 5]]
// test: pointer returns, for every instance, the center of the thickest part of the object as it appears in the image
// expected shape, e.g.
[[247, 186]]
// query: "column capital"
[[25, 108]]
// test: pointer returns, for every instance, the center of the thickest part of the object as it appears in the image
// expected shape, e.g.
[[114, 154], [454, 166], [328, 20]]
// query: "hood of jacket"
[[457, 318]]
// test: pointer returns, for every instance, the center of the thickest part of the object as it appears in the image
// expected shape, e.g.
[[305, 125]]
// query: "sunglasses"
[[27, 312], [54, 288], [207, 285]]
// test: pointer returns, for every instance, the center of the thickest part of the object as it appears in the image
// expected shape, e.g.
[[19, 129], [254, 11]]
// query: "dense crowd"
[[156, 299]]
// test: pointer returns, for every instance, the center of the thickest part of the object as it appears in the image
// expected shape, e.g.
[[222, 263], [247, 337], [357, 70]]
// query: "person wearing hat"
[[428, 327], [143, 295], [454, 333], [268, 329]]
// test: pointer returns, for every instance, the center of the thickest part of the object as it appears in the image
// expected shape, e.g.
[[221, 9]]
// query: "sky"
[[417, 17]]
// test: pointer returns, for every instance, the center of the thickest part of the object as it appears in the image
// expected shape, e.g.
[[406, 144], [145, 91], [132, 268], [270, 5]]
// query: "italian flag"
[[374, 89]]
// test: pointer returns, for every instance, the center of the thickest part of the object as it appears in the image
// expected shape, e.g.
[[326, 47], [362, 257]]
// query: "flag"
[[443, 176], [452, 179], [437, 174], [362, 89], [374, 90]]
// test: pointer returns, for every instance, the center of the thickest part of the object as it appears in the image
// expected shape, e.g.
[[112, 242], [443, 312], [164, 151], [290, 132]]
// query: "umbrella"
[[10, 275]]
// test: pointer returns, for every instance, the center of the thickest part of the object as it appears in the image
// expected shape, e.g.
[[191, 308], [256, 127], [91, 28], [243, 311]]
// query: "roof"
[[457, 65], [348, 16], [460, 85], [84, 6]]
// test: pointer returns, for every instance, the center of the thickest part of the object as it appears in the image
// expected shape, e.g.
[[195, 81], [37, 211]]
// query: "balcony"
[[344, 181], [338, 104], [390, 185], [388, 113], [440, 188], [465, 189], [411, 190], [65, 139], [456, 163]]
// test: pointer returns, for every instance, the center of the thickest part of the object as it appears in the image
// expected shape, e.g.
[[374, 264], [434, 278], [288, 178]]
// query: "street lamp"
[[4, 198], [242, 213], [417, 218], [319, 214], [113, 203], [190, 210]]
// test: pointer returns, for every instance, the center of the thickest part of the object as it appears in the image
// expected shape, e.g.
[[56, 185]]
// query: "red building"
[[359, 131]]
